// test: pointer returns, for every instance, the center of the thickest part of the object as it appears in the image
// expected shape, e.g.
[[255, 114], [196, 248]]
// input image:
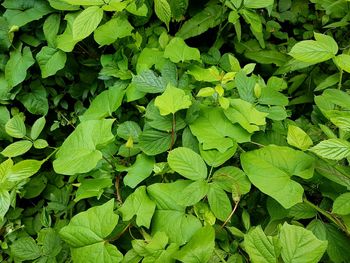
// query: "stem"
[[117, 186], [173, 127], [340, 79], [210, 172], [328, 215], [229, 217]]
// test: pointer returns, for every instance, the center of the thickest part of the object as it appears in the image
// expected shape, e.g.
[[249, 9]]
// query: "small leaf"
[[334, 149], [50, 61], [40, 144], [187, 163], [17, 148], [258, 3], [343, 62], [139, 171], [140, 205], [86, 22], [178, 51], [15, 127], [25, 248], [37, 128], [298, 138], [172, 100], [163, 11], [341, 205]]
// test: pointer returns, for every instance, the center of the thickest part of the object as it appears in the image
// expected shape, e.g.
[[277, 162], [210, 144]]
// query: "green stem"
[[329, 216], [173, 127], [219, 256]]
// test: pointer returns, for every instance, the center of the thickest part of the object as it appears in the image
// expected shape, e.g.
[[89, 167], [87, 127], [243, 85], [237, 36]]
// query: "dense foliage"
[[175, 131]]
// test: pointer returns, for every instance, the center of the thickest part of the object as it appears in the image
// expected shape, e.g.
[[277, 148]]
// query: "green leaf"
[[114, 29], [129, 129], [25, 248], [86, 22], [65, 41], [245, 86], [104, 104], [15, 127], [178, 51], [148, 82], [17, 148], [209, 17], [17, 66], [51, 27], [229, 177], [153, 142], [50, 61], [35, 101], [300, 245], [313, 52], [37, 128], [341, 205], [172, 100], [334, 149], [267, 57], [78, 153], [261, 248], [270, 169], [343, 62], [199, 248], [140, 205], [4, 118], [23, 169], [139, 171], [258, 3], [178, 226], [92, 187], [246, 115], [187, 163], [86, 232], [219, 202], [298, 138], [214, 157], [5, 201], [194, 192], [20, 13], [163, 11], [84, 2], [215, 131]]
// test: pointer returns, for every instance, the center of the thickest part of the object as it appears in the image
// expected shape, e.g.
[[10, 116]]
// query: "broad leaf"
[[187, 163], [258, 3], [139, 171], [153, 142], [86, 22], [25, 248], [298, 138], [300, 245], [78, 153], [199, 248], [50, 61], [194, 192], [219, 202], [172, 100], [341, 205], [261, 248], [17, 148], [15, 127], [92, 187], [343, 62], [334, 149], [5, 201], [140, 205], [178, 51], [270, 169], [163, 11], [313, 52]]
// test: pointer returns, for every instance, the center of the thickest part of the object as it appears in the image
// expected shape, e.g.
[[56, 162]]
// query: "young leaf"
[[178, 51], [298, 138], [341, 205], [334, 149], [114, 29], [270, 169], [17, 148], [163, 11], [78, 153], [187, 163], [343, 62], [172, 100], [37, 128], [199, 248], [50, 61], [300, 245], [15, 127], [17, 66], [140, 205], [313, 52], [86, 22]]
